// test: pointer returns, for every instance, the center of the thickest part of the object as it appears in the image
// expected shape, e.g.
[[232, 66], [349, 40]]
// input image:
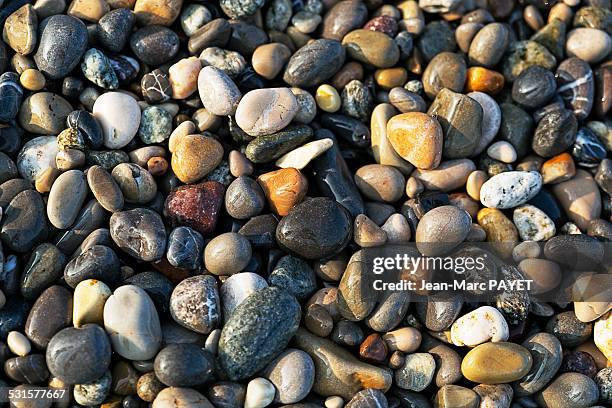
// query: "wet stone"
[[51, 312], [555, 132], [534, 87], [588, 149], [139, 232], [98, 262], [185, 246], [183, 365], [154, 44]]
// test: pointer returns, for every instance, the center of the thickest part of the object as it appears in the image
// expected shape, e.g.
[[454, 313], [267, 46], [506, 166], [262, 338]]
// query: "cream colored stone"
[[479, 326], [300, 157], [183, 77], [89, 298], [18, 343], [259, 394]]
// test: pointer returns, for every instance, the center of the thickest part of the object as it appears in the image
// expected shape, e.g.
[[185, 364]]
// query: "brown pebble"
[[157, 165], [239, 165], [373, 348], [32, 80], [380, 182], [318, 320], [417, 138]]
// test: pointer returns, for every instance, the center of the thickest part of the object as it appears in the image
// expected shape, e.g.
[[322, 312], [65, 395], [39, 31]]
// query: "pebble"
[[579, 198], [502, 151], [44, 113], [453, 395], [448, 176], [257, 331], [237, 288], [119, 116], [496, 363], [23, 222], [569, 389], [155, 125], [114, 28], [193, 17], [18, 343], [558, 169], [98, 69], [196, 206], [105, 189], [266, 148], [269, 59], [277, 105], [533, 224], [156, 86], [259, 393], [87, 126], [461, 121], [371, 47], [328, 99], [479, 79], [66, 198], [292, 374], [62, 42], [534, 87], [445, 70], [90, 296], [149, 12], [307, 106], [332, 233], [177, 397], [380, 183], [416, 373], [499, 229], [20, 30], [284, 189], [601, 333], [523, 54], [510, 189], [195, 156], [303, 155], [489, 45], [11, 95], [136, 184], [446, 226], [227, 254], [417, 138], [154, 45], [88, 345], [366, 233], [295, 276], [315, 63], [589, 44], [588, 149], [576, 86], [183, 365], [93, 393], [140, 233], [479, 326], [491, 119]]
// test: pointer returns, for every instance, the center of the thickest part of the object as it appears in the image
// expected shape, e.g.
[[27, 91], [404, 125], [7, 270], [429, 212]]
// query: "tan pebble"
[[239, 165], [18, 343], [602, 335], [502, 151], [466, 202], [383, 151], [496, 363], [44, 182], [453, 396], [500, 230], [533, 17], [278, 106], [580, 198], [448, 176], [391, 77], [183, 77], [142, 155], [284, 189], [328, 98], [205, 120], [417, 138], [69, 159], [545, 274], [195, 156], [89, 298], [371, 47], [157, 166], [32, 80], [269, 59], [89, 10], [334, 402], [562, 12], [397, 229], [414, 187], [300, 157], [406, 339], [367, 234], [380, 183], [474, 181], [557, 169], [162, 12]]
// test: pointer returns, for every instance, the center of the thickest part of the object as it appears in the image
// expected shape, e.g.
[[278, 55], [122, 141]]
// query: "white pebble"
[[260, 393], [533, 224], [90, 296], [479, 326], [502, 151], [119, 116], [18, 343], [334, 402], [193, 17], [510, 189], [300, 157]]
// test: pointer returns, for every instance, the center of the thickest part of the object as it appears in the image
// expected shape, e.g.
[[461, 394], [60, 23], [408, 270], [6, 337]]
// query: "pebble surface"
[[194, 197]]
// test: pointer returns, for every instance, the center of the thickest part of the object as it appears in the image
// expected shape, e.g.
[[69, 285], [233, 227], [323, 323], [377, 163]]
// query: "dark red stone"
[[383, 24], [196, 206]]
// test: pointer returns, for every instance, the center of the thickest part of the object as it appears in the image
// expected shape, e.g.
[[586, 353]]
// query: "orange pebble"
[[480, 79], [557, 169], [284, 189], [157, 165]]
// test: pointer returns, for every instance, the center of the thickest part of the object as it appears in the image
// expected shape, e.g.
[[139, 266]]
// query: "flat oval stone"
[[380, 183], [51, 312], [63, 40], [445, 70], [555, 132], [547, 354], [314, 63], [588, 44], [119, 117], [44, 113], [489, 45], [10, 188], [98, 262], [66, 198], [510, 189], [185, 246], [139, 232], [516, 128], [218, 92], [183, 365], [316, 228], [372, 47], [23, 223], [569, 390], [154, 44], [496, 363], [227, 253], [105, 189], [442, 229], [461, 119], [195, 304], [277, 105], [44, 268], [576, 85], [448, 176], [416, 373], [292, 373], [132, 323], [257, 331], [580, 198], [78, 356]]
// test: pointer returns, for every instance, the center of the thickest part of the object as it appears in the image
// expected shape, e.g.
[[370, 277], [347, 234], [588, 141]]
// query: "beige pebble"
[[300, 157], [69, 159], [334, 402], [397, 229], [142, 155], [328, 98], [89, 10], [269, 59], [44, 182], [406, 339], [479, 326], [602, 334], [474, 182], [32, 80], [183, 77], [380, 183], [366, 233], [239, 165], [206, 120], [260, 393], [18, 343], [88, 305], [502, 151], [450, 175], [414, 187]]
